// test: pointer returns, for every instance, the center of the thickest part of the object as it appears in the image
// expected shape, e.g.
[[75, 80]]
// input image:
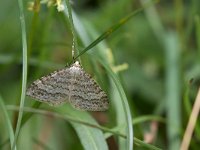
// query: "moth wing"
[[87, 94], [53, 88]]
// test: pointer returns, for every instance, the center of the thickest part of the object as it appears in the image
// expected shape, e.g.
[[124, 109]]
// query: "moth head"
[[77, 64]]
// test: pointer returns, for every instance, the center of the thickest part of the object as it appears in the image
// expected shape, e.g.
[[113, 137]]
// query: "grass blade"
[[173, 91], [125, 105], [9, 126], [74, 44], [143, 144], [148, 118], [24, 71]]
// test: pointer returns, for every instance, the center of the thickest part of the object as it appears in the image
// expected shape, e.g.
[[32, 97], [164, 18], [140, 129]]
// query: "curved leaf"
[[124, 104], [91, 138]]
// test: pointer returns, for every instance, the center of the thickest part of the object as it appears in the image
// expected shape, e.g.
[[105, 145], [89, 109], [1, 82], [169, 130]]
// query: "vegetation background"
[[152, 62]]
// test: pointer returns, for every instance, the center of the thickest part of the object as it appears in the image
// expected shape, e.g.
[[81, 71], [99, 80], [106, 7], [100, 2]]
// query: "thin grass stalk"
[[191, 123], [8, 122], [24, 71], [74, 42], [148, 118]]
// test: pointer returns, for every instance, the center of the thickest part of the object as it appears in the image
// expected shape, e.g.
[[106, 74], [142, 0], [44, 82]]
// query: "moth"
[[71, 84]]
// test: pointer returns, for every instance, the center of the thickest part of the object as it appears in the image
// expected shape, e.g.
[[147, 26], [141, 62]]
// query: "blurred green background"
[[160, 46]]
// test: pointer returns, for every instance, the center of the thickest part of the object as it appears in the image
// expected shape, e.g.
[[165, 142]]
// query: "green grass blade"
[[9, 125], [121, 122], [148, 118], [173, 98], [74, 44], [143, 144], [125, 105], [24, 71]]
